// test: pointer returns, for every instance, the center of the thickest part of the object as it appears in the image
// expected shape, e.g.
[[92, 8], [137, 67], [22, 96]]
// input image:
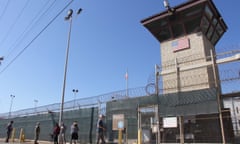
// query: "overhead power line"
[[30, 26], [27, 46], [14, 23], [4, 10]]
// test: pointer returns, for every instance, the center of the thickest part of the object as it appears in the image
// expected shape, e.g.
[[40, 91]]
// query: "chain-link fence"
[[198, 106]]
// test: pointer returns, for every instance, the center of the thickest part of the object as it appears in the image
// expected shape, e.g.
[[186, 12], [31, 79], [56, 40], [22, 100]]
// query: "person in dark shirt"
[[56, 131], [100, 129], [9, 130], [36, 132]]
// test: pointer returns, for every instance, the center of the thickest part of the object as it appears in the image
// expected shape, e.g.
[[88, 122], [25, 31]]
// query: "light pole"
[[68, 17], [75, 91], [12, 97], [35, 105]]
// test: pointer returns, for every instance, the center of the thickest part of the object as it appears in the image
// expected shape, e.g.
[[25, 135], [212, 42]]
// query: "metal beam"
[[235, 57]]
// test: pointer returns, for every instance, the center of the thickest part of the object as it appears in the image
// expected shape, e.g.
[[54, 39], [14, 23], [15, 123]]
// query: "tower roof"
[[190, 17]]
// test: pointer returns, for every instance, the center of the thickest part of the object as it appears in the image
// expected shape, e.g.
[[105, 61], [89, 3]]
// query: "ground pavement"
[[16, 141]]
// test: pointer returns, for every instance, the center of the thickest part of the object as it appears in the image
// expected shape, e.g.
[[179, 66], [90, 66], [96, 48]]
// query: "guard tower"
[[188, 34]]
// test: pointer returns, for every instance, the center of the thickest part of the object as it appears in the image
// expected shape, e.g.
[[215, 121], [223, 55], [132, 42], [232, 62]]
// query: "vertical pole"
[[74, 100], [157, 111], [235, 117], [139, 136], [156, 80], [21, 136], [91, 125], [126, 77], [139, 127], [180, 118], [181, 127], [35, 105], [217, 85], [99, 107], [120, 136], [75, 91], [10, 109], [126, 132], [65, 72], [13, 135]]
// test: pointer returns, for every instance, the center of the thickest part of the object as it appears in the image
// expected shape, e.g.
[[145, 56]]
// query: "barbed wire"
[[229, 80]]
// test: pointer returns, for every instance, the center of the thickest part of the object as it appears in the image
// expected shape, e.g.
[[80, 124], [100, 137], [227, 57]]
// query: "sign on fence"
[[118, 121]]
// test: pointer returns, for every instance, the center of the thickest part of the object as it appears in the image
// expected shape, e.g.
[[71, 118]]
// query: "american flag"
[[180, 44], [126, 75]]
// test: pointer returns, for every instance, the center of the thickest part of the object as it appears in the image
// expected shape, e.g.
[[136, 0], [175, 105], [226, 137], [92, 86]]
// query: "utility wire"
[[35, 37], [29, 28], [13, 24], [4, 10]]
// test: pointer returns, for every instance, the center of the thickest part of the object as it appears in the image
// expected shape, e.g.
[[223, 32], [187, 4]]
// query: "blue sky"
[[107, 40]]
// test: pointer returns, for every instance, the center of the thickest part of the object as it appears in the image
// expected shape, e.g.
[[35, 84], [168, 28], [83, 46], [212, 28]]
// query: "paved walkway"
[[16, 141]]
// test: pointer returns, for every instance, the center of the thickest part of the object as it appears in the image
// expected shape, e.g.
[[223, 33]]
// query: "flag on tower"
[[180, 44]]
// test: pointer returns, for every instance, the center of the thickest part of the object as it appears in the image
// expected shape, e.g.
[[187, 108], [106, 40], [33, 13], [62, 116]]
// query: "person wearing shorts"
[[74, 133]]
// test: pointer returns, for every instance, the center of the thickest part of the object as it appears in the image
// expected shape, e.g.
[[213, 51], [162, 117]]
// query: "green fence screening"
[[175, 104], [86, 119]]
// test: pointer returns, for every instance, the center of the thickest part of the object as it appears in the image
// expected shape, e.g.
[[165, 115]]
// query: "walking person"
[[62, 133], [36, 133], [9, 130], [100, 129], [56, 131], [74, 133]]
